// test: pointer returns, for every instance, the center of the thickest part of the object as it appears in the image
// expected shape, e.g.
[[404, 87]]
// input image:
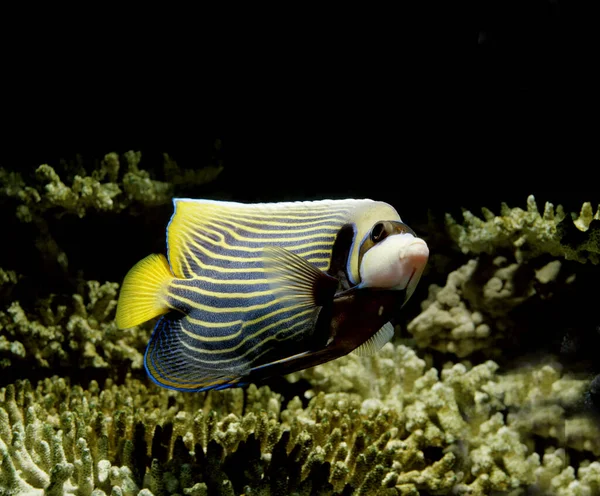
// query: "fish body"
[[251, 291]]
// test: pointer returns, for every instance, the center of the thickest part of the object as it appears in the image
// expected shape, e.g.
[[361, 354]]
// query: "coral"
[[472, 311], [541, 400], [129, 439], [50, 315], [463, 415], [106, 189], [80, 333], [528, 233], [101, 190], [388, 424], [8, 277], [398, 423], [487, 421]]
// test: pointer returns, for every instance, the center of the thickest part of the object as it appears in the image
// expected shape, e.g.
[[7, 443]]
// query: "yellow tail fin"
[[143, 293]]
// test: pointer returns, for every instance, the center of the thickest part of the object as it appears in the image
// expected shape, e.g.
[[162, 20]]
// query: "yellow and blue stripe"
[[225, 318]]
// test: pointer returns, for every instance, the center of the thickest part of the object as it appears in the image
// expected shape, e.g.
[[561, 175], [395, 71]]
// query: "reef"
[[80, 333], [524, 264], [489, 389], [51, 315], [388, 424], [109, 187], [528, 233]]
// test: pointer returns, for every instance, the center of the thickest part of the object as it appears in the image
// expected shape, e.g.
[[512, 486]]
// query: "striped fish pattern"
[[221, 315], [232, 318]]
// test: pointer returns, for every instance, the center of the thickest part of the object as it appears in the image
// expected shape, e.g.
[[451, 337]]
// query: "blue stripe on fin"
[[170, 364]]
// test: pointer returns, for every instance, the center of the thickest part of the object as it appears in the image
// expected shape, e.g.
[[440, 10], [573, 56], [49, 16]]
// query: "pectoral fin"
[[372, 345], [291, 276]]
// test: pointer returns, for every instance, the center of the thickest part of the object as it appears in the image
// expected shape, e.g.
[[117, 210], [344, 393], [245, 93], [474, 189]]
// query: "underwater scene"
[[164, 331]]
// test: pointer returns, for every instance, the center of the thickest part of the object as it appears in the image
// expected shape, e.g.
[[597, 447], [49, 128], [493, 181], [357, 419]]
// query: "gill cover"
[[363, 219]]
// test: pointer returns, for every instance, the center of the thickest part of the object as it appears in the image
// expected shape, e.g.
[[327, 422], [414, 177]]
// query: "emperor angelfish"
[[250, 291]]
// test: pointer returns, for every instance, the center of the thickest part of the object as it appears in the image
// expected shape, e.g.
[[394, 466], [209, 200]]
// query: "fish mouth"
[[408, 289]]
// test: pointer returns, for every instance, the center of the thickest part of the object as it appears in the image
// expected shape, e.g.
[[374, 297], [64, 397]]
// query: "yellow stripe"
[[210, 309], [196, 226], [219, 294], [202, 223], [226, 379], [274, 209], [217, 268], [187, 264], [263, 330], [160, 376], [229, 258], [329, 238], [215, 325], [245, 282], [261, 219], [314, 260]]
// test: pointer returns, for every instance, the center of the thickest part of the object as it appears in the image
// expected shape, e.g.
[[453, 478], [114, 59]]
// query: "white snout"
[[395, 263]]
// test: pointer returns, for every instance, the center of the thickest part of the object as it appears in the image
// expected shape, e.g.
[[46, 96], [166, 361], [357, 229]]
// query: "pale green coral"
[[100, 190], [586, 216], [121, 439], [8, 277], [82, 333], [462, 411], [528, 233], [539, 398], [369, 428], [469, 314]]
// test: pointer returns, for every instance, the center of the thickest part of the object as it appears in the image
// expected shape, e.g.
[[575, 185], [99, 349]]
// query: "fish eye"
[[378, 232]]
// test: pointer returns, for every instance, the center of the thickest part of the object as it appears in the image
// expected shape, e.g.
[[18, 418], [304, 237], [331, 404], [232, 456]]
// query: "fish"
[[251, 291]]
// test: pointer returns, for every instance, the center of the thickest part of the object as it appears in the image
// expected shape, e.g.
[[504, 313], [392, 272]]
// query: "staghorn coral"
[[79, 333], [107, 188], [49, 314], [542, 401], [528, 233], [133, 440], [391, 424]]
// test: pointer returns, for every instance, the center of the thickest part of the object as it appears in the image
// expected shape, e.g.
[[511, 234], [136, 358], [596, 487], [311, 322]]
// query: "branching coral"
[[473, 310], [542, 401], [463, 413], [81, 333], [124, 438], [388, 425], [106, 189], [529, 234], [481, 303], [101, 190], [56, 327]]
